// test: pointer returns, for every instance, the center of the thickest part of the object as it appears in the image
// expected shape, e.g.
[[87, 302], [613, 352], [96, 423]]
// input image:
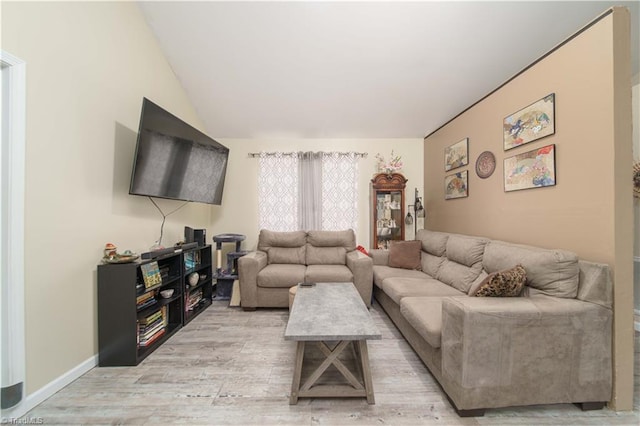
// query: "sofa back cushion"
[[551, 272], [463, 261], [329, 247], [346, 239], [434, 243], [430, 263], [326, 255], [283, 247]]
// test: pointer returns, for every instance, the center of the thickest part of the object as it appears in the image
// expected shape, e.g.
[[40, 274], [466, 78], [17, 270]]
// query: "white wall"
[[240, 202], [88, 66]]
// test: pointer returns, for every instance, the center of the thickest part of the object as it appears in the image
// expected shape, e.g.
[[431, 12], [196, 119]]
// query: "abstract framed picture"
[[530, 123], [456, 185], [532, 169], [456, 155]]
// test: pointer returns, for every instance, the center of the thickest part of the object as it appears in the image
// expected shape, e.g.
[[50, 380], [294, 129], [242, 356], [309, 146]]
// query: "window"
[[308, 190]]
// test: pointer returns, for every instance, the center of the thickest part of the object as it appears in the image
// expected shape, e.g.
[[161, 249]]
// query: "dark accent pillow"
[[507, 283], [405, 254]]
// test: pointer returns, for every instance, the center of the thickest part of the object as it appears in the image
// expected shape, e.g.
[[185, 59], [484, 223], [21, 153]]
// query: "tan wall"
[[88, 67], [240, 213], [589, 208]]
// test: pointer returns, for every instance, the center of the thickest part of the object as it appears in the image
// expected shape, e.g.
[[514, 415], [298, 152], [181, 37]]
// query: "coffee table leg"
[[297, 372], [366, 370]]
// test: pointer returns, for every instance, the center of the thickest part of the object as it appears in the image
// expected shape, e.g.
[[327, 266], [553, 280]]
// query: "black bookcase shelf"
[[119, 317], [197, 260]]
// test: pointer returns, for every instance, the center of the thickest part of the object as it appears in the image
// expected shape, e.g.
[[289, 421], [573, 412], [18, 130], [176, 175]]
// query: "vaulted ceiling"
[[354, 69]]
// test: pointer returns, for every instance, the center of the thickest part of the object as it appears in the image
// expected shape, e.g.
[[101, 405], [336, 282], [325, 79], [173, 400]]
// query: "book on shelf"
[[194, 299], [147, 332], [144, 297], [156, 336], [146, 304], [151, 274], [152, 317]]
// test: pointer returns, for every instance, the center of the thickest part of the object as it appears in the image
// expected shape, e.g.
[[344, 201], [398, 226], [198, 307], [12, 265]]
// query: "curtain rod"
[[257, 154]]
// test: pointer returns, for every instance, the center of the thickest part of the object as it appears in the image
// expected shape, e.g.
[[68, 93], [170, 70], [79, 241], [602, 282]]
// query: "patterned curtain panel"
[[339, 191], [278, 192], [308, 191]]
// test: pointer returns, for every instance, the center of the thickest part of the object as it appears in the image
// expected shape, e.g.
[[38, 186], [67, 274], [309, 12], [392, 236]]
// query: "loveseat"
[[284, 259], [550, 344]]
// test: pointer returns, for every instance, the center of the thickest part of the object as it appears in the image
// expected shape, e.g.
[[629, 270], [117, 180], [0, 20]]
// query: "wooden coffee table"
[[331, 312]]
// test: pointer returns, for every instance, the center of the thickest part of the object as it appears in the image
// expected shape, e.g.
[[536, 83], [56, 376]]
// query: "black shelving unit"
[[119, 316], [198, 296]]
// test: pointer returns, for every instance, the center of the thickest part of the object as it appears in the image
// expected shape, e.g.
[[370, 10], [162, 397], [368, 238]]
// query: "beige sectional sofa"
[[284, 259], [550, 345]]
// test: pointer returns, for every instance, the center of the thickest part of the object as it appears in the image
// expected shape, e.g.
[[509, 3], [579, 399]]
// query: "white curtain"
[[308, 191], [278, 192], [339, 191]]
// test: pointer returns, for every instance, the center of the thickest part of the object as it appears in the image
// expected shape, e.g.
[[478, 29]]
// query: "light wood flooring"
[[230, 367]]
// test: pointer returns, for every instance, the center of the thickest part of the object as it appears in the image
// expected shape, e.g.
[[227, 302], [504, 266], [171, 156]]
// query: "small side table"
[[225, 278]]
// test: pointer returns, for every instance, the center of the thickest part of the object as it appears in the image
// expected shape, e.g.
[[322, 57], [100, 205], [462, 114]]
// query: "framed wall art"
[[532, 169], [530, 123], [456, 185], [456, 155]]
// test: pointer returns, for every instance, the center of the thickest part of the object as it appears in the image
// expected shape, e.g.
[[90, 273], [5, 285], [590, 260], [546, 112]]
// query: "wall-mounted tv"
[[176, 161]]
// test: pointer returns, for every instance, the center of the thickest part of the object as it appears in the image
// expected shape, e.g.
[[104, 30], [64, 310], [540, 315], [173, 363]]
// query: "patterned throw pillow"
[[508, 283]]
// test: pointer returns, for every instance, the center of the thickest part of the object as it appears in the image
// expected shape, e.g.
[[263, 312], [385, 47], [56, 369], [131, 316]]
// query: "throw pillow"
[[507, 283], [405, 254]]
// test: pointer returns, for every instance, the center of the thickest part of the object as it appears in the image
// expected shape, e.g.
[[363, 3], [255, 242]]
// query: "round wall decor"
[[485, 164]]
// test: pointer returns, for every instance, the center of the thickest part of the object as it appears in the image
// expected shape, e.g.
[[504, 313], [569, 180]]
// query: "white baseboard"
[[39, 396]]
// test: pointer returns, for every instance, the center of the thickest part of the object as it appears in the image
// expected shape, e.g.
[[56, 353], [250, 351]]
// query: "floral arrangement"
[[394, 164]]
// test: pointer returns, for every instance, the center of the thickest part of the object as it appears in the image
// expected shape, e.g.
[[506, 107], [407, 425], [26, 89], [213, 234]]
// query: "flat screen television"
[[176, 161]]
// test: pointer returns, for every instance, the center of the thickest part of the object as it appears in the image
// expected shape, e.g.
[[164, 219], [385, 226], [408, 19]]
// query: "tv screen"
[[176, 161]]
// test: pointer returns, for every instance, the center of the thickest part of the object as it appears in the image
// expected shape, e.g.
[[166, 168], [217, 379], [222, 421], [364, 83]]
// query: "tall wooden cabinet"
[[387, 209]]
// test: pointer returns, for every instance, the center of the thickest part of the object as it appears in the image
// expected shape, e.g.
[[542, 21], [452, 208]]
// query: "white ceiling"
[[354, 69]]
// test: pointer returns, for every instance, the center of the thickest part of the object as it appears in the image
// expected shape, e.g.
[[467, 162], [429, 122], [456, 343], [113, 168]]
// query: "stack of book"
[[194, 299], [145, 300], [152, 327]]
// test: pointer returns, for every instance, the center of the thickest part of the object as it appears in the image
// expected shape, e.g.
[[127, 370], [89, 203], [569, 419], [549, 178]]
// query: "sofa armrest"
[[248, 267], [499, 352], [361, 267], [379, 256]]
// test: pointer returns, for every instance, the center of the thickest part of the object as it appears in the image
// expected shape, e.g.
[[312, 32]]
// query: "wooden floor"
[[230, 367]]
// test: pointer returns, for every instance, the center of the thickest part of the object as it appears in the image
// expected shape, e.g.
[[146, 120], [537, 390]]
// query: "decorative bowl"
[[167, 293], [193, 278]]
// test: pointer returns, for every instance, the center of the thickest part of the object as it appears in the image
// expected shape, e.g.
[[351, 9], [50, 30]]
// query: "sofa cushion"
[[328, 273], [405, 254], [552, 272], [283, 247], [326, 255], [425, 316], [433, 242], [286, 255], [399, 288], [508, 283], [380, 273], [465, 250], [281, 275], [462, 263], [346, 239], [431, 264], [268, 239]]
